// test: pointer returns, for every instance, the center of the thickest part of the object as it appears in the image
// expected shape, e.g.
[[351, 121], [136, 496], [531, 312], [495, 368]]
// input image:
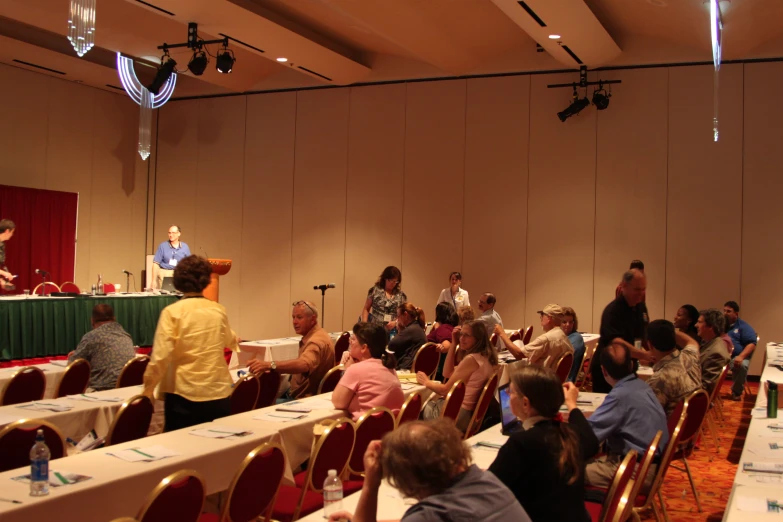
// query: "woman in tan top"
[[478, 364]]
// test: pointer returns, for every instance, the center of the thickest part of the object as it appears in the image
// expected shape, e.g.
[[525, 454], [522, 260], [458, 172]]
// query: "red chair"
[[482, 406], [132, 421], [330, 380], [254, 487], [563, 367], [373, 425], [411, 409], [453, 401], [606, 512], [330, 451], [17, 438], [69, 287], [45, 288], [515, 336], [28, 384], [717, 400], [245, 394], [178, 498], [342, 344], [132, 373], [528, 335], [75, 379], [635, 485], [426, 359], [269, 383], [695, 408], [493, 340]]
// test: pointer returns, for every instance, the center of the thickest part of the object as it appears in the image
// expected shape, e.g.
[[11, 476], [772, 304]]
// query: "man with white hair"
[[316, 354], [553, 343]]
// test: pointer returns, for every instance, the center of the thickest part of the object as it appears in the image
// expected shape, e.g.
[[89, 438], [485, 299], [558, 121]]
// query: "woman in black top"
[[410, 322], [544, 463]]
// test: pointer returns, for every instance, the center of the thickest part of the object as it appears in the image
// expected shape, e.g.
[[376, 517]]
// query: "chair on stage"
[[45, 288], [474, 426], [132, 421], [269, 384], [426, 359], [132, 373], [178, 498], [342, 344], [245, 394], [69, 287], [453, 401], [75, 379], [411, 409], [27, 384], [330, 380], [17, 438]]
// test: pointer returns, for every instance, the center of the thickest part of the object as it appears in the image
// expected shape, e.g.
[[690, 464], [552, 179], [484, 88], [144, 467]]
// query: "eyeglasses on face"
[[304, 303]]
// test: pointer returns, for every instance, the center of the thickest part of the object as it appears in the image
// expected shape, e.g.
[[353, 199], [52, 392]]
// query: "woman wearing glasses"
[[384, 298], [477, 366], [410, 323]]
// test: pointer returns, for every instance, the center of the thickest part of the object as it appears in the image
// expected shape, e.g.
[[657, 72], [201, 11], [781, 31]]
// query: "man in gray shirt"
[[107, 347]]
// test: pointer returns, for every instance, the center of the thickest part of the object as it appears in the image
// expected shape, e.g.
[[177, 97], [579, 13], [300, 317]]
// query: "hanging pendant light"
[[81, 25]]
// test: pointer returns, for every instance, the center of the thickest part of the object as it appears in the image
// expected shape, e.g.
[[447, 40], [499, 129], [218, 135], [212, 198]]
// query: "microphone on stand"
[[127, 281], [323, 287], [41, 272], [127, 273]]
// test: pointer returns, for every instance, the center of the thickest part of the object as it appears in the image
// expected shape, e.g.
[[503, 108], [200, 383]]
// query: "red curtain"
[[45, 235]]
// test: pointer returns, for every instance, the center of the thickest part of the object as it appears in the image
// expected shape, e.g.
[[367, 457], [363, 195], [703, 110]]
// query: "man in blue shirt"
[[743, 336], [167, 256], [628, 419]]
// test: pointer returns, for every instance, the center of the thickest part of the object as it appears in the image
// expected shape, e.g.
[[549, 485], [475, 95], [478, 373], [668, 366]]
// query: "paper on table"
[[91, 397], [57, 478], [759, 505], [220, 432], [766, 467], [758, 413], [59, 363], [46, 406], [280, 416], [407, 385], [147, 454], [314, 404]]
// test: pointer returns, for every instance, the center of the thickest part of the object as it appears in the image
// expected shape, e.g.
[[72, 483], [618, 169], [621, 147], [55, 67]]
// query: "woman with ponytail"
[[369, 379], [543, 463], [410, 323]]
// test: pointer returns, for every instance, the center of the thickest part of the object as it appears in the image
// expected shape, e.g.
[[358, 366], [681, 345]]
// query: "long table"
[[755, 489], [281, 349], [37, 326]]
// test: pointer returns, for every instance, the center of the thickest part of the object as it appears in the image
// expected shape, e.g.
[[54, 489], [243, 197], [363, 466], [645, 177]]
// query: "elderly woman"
[[556, 450], [187, 355], [370, 381], [384, 298], [570, 325], [685, 321], [475, 369], [410, 323], [454, 294]]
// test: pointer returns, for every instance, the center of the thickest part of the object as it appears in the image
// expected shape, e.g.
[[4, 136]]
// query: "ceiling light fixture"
[[601, 97], [198, 64], [554, 36], [224, 63], [575, 108], [81, 26], [716, 30], [282, 60]]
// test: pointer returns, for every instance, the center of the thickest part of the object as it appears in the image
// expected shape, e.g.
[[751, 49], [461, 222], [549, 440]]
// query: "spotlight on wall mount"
[[166, 69], [575, 108], [224, 62], [198, 64], [601, 98]]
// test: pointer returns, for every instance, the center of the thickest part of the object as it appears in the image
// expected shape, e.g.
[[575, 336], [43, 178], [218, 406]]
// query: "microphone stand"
[[323, 289], [43, 282], [127, 282]]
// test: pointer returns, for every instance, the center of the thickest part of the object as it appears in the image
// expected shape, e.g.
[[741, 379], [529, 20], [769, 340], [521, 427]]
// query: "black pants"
[[182, 413]]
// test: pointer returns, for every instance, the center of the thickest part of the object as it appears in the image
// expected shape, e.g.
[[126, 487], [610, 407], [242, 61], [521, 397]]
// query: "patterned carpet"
[[712, 472]]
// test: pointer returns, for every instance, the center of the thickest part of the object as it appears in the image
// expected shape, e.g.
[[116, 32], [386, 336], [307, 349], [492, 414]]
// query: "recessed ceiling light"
[[281, 59], [554, 36]]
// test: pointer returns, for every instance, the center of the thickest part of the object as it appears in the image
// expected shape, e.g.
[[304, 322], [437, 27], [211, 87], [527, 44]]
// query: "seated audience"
[[477, 366], [107, 347], [543, 463], [488, 314], [187, 369], [713, 355], [685, 321], [570, 325], [316, 355], [446, 485], [410, 324], [744, 339], [670, 380], [384, 298], [454, 294], [628, 419], [445, 321], [551, 344], [370, 381]]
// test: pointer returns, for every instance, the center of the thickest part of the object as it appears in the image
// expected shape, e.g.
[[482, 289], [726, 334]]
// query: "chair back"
[[641, 473], [493, 339], [75, 379], [330, 451], [563, 367], [620, 482], [426, 359], [515, 336], [625, 505], [28, 384], [342, 344], [482, 406], [132, 421], [528, 334], [69, 287], [330, 380], [132, 373], [696, 406], [373, 425], [245, 394], [178, 498], [719, 383], [648, 497], [17, 438], [674, 417], [411, 409], [45, 288], [453, 401], [255, 484], [269, 383]]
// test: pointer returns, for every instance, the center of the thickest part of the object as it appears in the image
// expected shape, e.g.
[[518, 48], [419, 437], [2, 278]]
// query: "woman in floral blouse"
[[384, 298]]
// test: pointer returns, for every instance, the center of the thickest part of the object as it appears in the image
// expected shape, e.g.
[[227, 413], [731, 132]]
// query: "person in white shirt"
[[454, 294]]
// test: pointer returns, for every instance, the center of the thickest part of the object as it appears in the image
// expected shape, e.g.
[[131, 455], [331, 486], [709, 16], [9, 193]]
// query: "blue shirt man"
[[167, 256], [743, 336]]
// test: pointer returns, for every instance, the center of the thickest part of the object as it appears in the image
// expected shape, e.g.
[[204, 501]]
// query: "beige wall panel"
[[318, 248], [433, 189], [704, 189], [631, 187], [496, 169], [561, 203], [376, 162], [265, 271], [762, 245]]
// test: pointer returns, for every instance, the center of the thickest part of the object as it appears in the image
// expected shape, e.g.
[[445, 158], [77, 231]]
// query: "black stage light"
[[601, 99], [576, 106], [198, 63], [166, 70], [224, 62]]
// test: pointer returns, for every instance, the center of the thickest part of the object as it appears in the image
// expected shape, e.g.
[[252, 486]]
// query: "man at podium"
[[167, 256]]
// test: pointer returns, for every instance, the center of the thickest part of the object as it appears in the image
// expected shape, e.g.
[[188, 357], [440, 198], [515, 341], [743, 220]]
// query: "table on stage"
[[37, 326]]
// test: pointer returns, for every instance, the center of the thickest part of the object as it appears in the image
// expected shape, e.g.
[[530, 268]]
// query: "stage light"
[[166, 69], [198, 63], [224, 62], [575, 108], [601, 99]]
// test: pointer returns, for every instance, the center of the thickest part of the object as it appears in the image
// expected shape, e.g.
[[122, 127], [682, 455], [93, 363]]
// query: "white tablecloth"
[[52, 372], [283, 349]]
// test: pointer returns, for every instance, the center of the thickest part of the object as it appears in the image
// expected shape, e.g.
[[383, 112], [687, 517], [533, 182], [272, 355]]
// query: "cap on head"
[[552, 310]]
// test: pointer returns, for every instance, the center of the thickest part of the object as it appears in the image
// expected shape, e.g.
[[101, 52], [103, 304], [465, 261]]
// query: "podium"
[[219, 267]]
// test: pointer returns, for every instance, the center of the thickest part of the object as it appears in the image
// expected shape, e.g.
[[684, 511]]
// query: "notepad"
[[46, 406], [58, 478], [763, 467], [91, 397], [220, 432], [759, 505], [147, 454], [280, 416]]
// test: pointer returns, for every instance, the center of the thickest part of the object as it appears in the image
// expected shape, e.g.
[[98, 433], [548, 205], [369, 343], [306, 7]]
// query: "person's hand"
[[422, 378], [738, 361], [571, 395], [499, 330], [6, 275], [455, 334], [258, 367], [70, 353], [391, 325], [373, 473], [441, 348], [339, 516]]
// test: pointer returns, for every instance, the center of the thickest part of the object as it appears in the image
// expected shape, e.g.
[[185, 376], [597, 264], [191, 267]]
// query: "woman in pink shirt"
[[370, 381]]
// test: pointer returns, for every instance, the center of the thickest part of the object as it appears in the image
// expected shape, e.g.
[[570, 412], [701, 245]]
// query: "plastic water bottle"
[[333, 493], [39, 467], [100, 284]]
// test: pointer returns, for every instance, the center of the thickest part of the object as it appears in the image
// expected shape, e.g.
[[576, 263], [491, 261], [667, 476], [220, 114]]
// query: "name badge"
[[387, 318], [173, 262]]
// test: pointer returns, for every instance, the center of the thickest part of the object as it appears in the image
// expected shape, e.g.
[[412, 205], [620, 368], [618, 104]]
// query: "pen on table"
[[142, 453], [12, 501], [60, 477]]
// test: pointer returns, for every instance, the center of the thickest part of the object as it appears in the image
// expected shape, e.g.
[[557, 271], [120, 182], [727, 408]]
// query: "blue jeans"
[[739, 376]]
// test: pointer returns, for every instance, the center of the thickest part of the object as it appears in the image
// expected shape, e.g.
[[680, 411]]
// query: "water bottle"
[[39, 467], [772, 400], [100, 284], [333, 493]]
